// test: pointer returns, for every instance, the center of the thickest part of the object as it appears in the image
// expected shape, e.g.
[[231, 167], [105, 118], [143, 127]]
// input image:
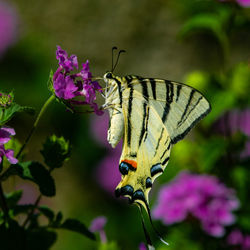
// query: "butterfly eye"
[[123, 168], [109, 75]]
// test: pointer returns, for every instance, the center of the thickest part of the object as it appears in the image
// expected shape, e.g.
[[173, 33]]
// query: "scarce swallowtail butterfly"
[[151, 115]]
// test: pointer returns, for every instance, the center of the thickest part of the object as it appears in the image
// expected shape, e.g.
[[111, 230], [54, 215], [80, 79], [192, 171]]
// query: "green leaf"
[[46, 211], [8, 113], [36, 172], [13, 197], [76, 226], [40, 239], [50, 82], [240, 83], [198, 80], [55, 151]]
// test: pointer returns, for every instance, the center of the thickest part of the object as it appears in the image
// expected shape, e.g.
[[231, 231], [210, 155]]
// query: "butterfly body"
[[150, 115]]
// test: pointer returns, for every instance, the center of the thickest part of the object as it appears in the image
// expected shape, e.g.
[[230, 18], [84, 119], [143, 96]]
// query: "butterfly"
[[150, 115]]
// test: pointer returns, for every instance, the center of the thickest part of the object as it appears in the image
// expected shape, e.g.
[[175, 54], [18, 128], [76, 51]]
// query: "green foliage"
[[76, 226], [35, 172], [7, 113], [240, 81], [55, 151]]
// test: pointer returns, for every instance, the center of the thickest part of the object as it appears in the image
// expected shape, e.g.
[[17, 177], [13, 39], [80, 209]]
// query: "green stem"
[[44, 107], [32, 210], [35, 206]]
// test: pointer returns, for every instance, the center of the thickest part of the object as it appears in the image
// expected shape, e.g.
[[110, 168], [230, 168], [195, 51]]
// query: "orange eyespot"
[[131, 163]]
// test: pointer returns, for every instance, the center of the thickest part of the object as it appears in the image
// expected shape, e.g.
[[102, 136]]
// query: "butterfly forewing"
[[179, 105]]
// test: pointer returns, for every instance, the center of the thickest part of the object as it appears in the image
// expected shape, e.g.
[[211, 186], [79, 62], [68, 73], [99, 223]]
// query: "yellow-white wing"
[[157, 113]]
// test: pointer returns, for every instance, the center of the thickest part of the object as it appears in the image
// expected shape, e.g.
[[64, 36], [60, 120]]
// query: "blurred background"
[[203, 43]]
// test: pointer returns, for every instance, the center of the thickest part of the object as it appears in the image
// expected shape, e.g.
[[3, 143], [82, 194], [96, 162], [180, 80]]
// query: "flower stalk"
[[43, 109]]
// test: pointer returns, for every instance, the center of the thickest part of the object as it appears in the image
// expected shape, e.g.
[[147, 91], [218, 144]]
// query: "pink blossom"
[[202, 196]]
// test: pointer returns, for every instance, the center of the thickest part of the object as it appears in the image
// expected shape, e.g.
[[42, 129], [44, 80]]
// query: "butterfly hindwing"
[[146, 147]]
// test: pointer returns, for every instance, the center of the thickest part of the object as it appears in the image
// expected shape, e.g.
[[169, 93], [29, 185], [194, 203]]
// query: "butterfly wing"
[[157, 113]]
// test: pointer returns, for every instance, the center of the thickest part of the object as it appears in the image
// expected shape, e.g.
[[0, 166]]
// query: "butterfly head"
[[108, 76]]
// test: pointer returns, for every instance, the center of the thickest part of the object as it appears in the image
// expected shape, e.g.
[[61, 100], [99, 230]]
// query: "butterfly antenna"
[[112, 66], [156, 231], [121, 51], [149, 242]]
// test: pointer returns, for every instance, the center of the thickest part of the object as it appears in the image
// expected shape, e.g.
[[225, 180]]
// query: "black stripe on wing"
[[169, 99], [186, 108], [119, 90], [130, 103], [180, 136], [153, 87], [144, 86]]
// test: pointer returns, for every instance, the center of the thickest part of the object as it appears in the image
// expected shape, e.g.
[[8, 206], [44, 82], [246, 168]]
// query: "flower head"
[[68, 85], [6, 100], [202, 196], [5, 134]]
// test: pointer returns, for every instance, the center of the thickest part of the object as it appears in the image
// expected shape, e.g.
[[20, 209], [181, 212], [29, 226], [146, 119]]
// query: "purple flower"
[[236, 238], [5, 134], [107, 173], [8, 27], [65, 87], [202, 196], [68, 85], [97, 225], [67, 63]]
